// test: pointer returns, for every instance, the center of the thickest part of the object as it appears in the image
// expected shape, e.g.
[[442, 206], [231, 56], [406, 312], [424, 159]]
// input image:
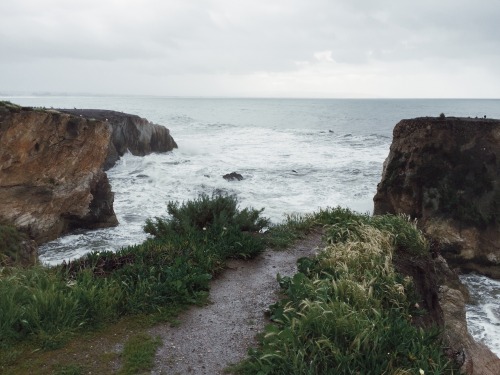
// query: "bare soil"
[[210, 338]]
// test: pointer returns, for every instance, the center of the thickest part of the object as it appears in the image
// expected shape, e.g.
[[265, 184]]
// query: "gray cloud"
[[224, 42]]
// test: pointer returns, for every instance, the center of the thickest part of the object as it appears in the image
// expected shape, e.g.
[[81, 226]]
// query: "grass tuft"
[[138, 354], [11, 241], [72, 369]]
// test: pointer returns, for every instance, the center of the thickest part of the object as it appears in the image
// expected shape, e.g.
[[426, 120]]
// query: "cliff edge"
[[129, 133], [445, 173], [52, 165]]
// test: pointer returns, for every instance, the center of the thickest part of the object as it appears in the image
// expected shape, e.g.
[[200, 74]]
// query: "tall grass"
[[347, 311], [341, 224], [171, 269], [10, 245]]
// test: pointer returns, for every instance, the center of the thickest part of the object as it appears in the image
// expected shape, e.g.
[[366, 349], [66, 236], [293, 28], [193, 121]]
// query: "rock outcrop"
[[52, 164], [129, 133], [472, 357], [51, 177], [443, 296], [445, 173], [15, 248]]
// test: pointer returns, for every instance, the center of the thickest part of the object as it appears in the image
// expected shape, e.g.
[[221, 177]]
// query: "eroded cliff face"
[[445, 172], [129, 133], [474, 358], [51, 176], [444, 297], [52, 165]]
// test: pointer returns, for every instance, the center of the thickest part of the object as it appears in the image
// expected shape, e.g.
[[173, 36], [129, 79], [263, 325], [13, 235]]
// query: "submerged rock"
[[445, 172], [233, 176]]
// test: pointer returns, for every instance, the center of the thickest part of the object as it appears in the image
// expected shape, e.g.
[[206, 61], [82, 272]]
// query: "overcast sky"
[[263, 48]]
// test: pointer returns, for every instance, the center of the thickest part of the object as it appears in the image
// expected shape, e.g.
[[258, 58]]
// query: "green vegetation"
[[348, 311], [214, 225], [10, 245], [138, 354], [47, 306], [340, 224], [7, 104], [69, 370]]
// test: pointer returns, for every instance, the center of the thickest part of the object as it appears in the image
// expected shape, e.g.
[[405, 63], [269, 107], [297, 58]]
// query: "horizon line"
[[84, 94]]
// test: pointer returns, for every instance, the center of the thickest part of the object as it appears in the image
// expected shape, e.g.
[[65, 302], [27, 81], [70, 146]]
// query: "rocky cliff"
[[444, 297], [474, 358], [52, 164], [129, 133], [445, 173]]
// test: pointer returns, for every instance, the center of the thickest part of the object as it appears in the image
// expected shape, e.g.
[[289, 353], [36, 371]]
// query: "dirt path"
[[210, 338]]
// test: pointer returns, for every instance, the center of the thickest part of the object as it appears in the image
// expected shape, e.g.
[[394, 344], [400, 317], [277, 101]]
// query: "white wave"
[[483, 314]]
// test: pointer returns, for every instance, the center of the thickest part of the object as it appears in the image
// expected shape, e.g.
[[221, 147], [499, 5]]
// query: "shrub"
[[205, 212], [211, 223]]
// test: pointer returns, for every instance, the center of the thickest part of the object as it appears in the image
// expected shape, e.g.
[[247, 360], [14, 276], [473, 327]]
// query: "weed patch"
[[69, 370], [10, 245], [138, 354]]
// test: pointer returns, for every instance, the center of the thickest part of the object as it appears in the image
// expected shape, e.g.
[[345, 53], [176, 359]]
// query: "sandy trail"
[[211, 337]]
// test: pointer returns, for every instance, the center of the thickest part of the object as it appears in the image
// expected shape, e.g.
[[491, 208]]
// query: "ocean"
[[296, 155]]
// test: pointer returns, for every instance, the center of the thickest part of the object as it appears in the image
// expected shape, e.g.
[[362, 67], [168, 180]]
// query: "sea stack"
[[445, 172]]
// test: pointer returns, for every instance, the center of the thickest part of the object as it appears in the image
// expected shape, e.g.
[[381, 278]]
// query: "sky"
[[258, 48]]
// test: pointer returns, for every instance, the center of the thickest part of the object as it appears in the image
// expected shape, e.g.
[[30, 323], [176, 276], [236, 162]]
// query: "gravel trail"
[[211, 337]]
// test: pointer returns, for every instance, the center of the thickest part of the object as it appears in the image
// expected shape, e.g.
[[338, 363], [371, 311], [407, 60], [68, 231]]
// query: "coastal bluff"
[[53, 162], [129, 133], [445, 172]]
